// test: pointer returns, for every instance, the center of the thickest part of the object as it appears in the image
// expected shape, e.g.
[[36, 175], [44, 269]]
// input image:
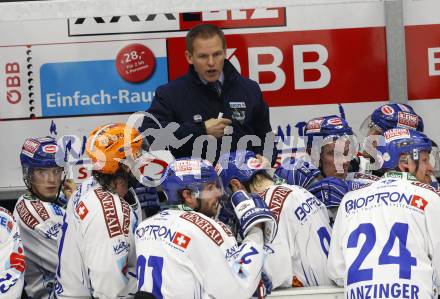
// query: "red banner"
[[423, 61], [307, 67]]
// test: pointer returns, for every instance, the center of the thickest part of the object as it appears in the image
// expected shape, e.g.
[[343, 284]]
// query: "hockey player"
[[301, 245], [331, 146], [39, 212], [385, 117], [183, 252], [385, 240], [12, 263], [96, 251]]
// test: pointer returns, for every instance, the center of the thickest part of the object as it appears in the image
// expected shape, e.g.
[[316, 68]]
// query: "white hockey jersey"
[[185, 254], [96, 250], [12, 263], [40, 227], [385, 241], [303, 239]]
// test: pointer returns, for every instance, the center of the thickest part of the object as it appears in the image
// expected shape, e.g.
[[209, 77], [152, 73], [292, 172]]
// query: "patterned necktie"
[[216, 87]]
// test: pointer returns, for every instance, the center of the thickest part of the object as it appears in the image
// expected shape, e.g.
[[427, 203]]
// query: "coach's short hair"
[[203, 31]]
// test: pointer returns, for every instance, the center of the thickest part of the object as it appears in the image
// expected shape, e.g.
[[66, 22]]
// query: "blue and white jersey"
[[302, 242], [40, 227], [12, 264], [96, 255], [185, 254], [385, 241]]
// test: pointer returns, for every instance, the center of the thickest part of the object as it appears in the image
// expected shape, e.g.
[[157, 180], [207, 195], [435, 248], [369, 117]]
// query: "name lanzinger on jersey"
[[384, 290], [396, 199]]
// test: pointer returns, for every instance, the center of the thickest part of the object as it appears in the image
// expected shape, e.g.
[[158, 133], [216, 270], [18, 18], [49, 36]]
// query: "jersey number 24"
[[398, 231]]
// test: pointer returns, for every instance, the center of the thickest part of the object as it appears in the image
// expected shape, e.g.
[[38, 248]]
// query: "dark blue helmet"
[[393, 115], [187, 173], [39, 153], [402, 141], [325, 127], [240, 165]]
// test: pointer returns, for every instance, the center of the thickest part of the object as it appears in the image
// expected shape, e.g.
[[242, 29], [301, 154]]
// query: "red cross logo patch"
[[82, 210], [419, 202], [181, 240]]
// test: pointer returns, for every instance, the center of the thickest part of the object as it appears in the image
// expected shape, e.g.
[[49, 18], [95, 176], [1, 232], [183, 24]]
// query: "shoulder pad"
[[426, 186]]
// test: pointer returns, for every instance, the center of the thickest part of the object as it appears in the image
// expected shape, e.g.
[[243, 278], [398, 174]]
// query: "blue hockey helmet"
[[240, 165], [40, 153], [187, 173], [402, 141], [391, 116], [326, 127]]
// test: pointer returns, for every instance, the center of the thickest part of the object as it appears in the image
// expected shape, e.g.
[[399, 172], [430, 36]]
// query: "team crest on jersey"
[[82, 210]]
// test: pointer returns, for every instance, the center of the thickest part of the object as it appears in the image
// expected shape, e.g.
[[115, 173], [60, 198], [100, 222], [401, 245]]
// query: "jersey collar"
[[400, 175]]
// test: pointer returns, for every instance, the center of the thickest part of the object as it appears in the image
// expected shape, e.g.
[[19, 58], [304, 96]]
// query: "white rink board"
[[44, 45]]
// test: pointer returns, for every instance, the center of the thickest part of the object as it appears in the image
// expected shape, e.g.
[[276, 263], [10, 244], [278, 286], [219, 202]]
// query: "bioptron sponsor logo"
[[397, 199], [163, 233]]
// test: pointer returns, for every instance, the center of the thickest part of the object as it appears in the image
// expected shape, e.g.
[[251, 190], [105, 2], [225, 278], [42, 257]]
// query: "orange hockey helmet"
[[109, 144]]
